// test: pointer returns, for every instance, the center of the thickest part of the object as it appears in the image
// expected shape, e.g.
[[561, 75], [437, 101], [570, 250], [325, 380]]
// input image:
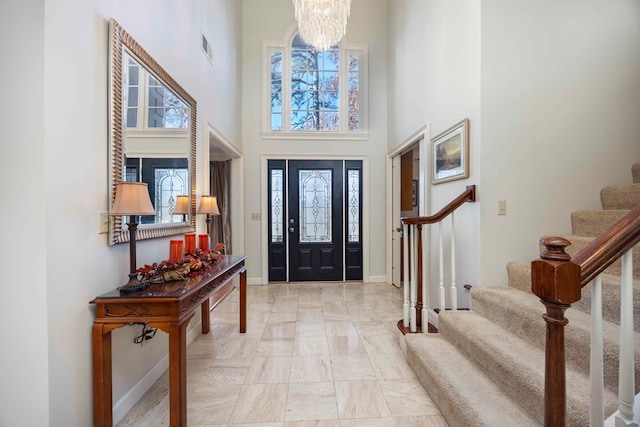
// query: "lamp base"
[[134, 285]]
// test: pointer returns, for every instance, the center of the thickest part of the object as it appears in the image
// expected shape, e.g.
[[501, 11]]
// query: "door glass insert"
[[315, 205], [277, 206], [353, 205]]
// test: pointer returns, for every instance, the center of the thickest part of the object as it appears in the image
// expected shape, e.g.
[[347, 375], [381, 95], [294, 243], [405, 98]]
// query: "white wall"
[[23, 308], [269, 21], [57, 146], [560, 108], [434, 78], [552, 94]]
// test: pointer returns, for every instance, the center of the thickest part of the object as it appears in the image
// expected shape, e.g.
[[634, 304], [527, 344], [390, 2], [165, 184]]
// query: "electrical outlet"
[[103, 222], [502, 207], [255, 216]]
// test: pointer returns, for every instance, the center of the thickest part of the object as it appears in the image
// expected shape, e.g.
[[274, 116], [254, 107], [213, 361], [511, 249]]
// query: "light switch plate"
[[255, 216], [103, 222], [502, 207]]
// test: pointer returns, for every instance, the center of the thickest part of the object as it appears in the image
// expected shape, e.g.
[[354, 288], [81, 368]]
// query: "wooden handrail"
[[594, 258], [558, 280], [469, 195]]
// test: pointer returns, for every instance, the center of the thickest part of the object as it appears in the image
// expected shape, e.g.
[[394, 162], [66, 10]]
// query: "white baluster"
[[414, 290], [454, 290], [405, 269], [441, 272], [596, 415], [626, 386], [424, 284]]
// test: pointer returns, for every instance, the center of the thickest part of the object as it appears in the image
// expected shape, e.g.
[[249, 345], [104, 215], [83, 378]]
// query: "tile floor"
[[314, 355]]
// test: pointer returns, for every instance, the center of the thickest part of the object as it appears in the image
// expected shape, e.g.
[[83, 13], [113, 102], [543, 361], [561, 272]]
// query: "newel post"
[[556, 280]]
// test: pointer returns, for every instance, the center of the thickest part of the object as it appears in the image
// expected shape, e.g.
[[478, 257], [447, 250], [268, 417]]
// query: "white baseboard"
[[377, 279], [254, 281], [131, 397]]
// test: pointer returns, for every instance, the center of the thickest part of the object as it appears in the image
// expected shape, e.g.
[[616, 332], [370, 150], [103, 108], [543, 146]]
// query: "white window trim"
[[286, 133]]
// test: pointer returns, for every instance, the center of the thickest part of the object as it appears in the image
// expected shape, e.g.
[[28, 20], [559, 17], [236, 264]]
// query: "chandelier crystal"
[[322, 23]]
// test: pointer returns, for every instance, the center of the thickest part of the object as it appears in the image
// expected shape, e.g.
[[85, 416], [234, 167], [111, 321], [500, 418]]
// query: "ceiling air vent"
[[206, 48]]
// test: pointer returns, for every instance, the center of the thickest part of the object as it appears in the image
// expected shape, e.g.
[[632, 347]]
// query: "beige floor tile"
[[314, 355], [310, 346], [260, 403], [279, 331], [421, 421], [340, 328], [367, 328], [356, 367], [267, 370], [212, 403], [407, 397], [360, 399], [380, 344], [306, 369], [311, 403], [313, 423], [368, 422], [391, 366], [274, 348], [347, 345]]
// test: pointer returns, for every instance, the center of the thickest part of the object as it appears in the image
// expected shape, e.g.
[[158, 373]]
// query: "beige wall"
[[58, 159], [552, 94]]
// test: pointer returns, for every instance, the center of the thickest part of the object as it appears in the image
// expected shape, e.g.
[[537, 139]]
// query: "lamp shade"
[[182, 205], [132, 198], [208, 205]]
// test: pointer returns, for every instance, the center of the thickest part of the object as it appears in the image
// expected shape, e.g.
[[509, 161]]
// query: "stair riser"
[[635, 173], [620, 197], [594, 223]]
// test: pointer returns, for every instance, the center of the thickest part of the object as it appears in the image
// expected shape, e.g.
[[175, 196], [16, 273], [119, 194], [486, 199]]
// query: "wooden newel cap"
[[554, 248], [554, 277]]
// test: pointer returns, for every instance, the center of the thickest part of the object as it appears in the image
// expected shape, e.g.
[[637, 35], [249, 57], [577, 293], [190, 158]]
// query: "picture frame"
[[451, 153]]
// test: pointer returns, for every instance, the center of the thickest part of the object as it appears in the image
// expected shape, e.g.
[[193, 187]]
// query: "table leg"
[[206, 313], [102, 400], [178, 374], [243, 301]]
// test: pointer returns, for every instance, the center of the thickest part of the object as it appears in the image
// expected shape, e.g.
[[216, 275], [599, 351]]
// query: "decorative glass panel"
[[277, 205], [315, 205], [354, 94], [276, 90], [169, 184], [353, 205]]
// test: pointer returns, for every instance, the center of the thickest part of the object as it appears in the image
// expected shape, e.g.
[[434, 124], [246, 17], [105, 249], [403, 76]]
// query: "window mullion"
[[286, 89], [343, 76]]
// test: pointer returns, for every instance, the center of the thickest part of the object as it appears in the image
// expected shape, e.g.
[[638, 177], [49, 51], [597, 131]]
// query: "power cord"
[[147, 333]]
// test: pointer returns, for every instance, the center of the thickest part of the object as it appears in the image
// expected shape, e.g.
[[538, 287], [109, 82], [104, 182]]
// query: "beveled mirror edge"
[[119, 39]]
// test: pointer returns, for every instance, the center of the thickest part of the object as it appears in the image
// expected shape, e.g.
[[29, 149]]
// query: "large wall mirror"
[[152, 138]]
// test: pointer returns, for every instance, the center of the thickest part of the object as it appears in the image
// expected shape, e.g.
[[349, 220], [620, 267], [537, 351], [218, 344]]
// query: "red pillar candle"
[[175, 249], [203, 242], [190, 243]]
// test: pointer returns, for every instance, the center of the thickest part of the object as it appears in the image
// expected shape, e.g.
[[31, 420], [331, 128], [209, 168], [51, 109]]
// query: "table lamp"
[[132, 198], [182, 207], [208, 205]]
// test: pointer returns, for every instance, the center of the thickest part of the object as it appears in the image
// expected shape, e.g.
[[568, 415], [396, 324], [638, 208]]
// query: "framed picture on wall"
[[451, 153]]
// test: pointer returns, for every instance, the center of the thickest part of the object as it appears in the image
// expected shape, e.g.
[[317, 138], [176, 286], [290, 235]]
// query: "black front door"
[[315, 220], [314, 217]]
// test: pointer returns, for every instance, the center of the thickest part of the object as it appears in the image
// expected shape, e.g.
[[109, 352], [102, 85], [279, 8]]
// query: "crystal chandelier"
[[322, 23]]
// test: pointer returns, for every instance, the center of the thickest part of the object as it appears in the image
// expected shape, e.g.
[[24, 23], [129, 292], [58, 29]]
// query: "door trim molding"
[[264, 206]]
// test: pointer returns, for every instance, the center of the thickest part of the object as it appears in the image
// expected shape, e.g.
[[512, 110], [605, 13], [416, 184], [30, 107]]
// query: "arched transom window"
[[311, 93]]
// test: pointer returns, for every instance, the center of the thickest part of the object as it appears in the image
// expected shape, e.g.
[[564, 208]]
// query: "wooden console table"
[[169, 307]]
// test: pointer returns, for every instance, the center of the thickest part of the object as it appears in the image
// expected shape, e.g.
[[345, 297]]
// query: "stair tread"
[[465, 395], [620, 196], [499, 352]]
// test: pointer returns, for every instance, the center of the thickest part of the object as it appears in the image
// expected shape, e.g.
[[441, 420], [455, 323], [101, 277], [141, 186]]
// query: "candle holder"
[[190, 243], [203, 242], [175, 249]]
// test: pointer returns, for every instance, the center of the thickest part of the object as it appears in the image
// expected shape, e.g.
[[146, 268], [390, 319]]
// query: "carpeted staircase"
[[485, 366]]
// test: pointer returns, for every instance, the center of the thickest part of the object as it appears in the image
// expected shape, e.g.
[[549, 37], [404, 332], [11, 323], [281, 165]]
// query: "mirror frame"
[[119, 40]]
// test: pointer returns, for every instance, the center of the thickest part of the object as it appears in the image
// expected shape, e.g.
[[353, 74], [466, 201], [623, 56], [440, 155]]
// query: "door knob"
[[291, 229]]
